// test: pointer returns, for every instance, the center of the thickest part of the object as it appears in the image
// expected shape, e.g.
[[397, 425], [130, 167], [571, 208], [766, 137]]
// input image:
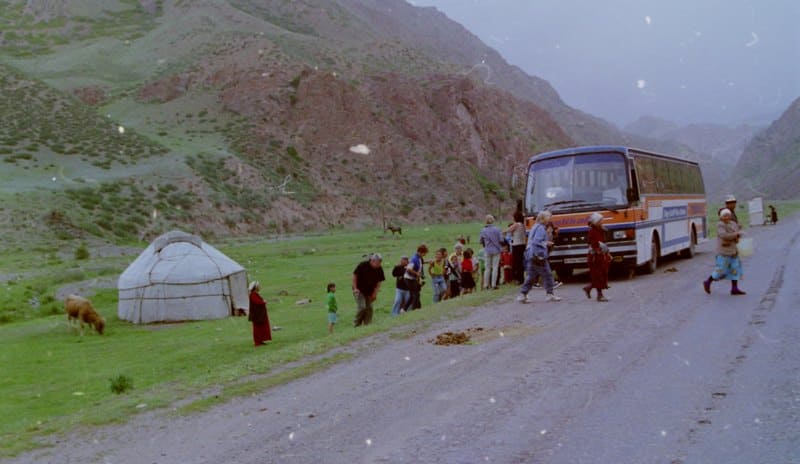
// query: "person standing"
[[491, 237], [468, 268], [330, 304], [367, 278], [507, 264], [454, 275], [258, 315], [415, 275], [730, 204], [552, 233], [598, 258], [436, 270], [401, 295], [537, 258], [454, 269], [517, 230], [728, 265], [773, 215]]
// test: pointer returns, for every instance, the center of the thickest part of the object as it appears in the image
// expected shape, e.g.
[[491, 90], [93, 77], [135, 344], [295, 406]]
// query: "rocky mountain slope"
[[770, 164], [271, 116], [267, 117]]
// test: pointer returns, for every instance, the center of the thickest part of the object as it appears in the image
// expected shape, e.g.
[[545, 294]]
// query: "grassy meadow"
[[57, 379]]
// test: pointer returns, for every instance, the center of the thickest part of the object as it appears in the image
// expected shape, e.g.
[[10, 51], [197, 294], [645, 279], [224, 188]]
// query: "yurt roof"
[[177, 258]]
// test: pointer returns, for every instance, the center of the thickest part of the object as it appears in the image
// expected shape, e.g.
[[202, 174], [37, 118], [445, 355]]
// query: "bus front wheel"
[[689, 253], [650, 266], [564, 273]]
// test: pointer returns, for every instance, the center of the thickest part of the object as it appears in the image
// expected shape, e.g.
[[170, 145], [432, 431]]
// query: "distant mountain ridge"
[[716, 147], [770, 164]]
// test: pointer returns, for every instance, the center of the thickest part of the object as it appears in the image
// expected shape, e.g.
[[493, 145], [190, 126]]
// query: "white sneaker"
[[522, 298], [557, 284], [552, 297]]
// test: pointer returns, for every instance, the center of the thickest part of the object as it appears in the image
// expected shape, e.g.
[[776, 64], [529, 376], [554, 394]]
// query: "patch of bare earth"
[[475, 335]]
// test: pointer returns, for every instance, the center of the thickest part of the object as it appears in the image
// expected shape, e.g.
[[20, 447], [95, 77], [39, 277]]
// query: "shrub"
[[82, 252], [121, 383]]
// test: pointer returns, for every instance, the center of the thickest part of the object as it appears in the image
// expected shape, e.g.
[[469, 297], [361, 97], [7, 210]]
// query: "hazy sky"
[[721, 61]]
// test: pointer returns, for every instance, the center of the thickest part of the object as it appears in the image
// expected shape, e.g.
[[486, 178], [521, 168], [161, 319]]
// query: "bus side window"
[[632, 193], [647, 175]]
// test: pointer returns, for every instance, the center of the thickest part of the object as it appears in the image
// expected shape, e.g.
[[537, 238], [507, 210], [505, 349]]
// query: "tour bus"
[[652, 204]]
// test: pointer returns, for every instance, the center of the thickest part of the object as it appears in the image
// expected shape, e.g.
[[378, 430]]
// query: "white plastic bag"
[[745, 246]]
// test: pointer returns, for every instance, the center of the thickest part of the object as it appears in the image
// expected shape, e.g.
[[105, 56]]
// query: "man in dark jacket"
[[367, 278]]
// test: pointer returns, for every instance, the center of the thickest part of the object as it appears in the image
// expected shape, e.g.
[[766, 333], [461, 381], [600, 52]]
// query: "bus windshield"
[[577, 182]]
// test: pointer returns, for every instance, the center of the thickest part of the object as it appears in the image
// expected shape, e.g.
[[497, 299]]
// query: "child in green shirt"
[[330, 303]]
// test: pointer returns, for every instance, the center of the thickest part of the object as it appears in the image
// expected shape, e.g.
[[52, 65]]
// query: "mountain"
[[770, 164], [264, 116], [722, 143], [715, 146]]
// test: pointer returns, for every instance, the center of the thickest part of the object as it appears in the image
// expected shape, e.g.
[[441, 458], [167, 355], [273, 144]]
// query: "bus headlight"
[[623, 234]]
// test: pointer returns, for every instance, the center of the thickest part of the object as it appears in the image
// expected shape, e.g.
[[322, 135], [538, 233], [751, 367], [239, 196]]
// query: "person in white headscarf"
[[598, 258], [728, 265]]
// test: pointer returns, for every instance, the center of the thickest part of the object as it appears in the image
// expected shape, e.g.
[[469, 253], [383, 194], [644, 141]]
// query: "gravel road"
[[663, 373]]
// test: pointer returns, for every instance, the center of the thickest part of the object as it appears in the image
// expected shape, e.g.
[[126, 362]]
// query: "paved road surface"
[[662, 374]]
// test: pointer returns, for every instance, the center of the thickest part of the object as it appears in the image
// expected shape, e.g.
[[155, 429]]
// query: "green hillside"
[[130, 118]]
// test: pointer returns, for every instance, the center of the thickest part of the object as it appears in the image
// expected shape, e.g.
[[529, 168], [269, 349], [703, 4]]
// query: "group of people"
[[509, 256], [536, 254], [451, 275]]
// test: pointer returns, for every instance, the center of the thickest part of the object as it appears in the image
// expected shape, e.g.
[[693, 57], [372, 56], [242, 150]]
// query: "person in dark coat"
[[258, 315], [367, 278], [598, 258], [773, 214]]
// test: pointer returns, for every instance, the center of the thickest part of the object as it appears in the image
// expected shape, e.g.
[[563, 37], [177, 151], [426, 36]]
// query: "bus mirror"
[[632, 195]]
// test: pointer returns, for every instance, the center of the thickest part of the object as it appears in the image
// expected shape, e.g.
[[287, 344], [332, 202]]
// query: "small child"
[[506, 261], [330, 303], [468, 267]]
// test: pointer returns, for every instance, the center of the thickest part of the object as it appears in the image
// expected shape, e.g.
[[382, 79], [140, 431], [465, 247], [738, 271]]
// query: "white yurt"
[[179, 277]]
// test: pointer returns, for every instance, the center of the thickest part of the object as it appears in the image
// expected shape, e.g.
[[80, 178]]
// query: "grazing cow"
[[80, 310], [395, 230]]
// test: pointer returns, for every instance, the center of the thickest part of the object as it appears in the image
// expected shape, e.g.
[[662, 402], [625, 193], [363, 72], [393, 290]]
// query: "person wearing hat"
[[491, 239], [598, 258], [258, 315], [367, 278], [728, 265], [730, 204]]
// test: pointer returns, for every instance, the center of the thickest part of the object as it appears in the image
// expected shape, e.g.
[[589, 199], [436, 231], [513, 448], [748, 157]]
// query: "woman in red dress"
[[258, 315], [598, 258]]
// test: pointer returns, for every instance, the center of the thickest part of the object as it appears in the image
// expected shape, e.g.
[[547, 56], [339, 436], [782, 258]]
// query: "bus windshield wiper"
[[603, 206], [563, 202]]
